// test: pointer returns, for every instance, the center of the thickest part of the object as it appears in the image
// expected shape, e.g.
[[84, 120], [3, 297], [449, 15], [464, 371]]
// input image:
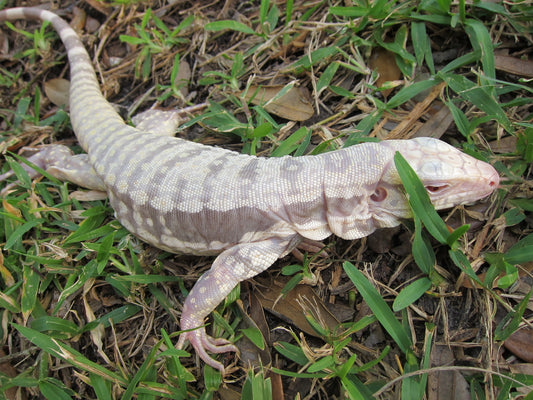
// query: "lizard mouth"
[[445, 194], [436, 188]]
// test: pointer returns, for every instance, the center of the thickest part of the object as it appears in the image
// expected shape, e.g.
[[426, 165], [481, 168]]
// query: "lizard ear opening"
[[379, 194]]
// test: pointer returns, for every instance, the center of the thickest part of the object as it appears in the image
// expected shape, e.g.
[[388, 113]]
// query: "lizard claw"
[[201, 342]]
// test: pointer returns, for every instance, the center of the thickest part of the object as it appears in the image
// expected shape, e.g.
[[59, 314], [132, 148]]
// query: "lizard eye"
[[380, 194]]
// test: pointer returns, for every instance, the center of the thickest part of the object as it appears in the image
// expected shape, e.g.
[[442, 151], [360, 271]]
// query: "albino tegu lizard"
[[185, 197]]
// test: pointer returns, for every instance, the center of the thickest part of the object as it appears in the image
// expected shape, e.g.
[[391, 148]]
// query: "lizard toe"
[[219, 345], [201, 342]]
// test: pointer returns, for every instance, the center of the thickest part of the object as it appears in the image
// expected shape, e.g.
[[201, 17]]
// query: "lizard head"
[[450, 177]]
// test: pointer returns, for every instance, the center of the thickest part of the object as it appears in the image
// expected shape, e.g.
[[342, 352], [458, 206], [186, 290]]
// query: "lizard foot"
[[201, 342], [60, 162]]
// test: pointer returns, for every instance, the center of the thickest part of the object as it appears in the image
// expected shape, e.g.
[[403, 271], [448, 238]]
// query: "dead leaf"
[[295, 104], [404, 129], [6, 275], [4, 43], [98, 333], [514, 65], [525, 369], [249, 353], [277, 385], [437, 124], [295, 44], [183, 77], [229, 392], [100, 6], [381, 240], [504, 145], [522, 286], [384, 63], [295, 305], [91, 24], [11, 209], [258, 316], [469, 284], [520, 344], [57, 91], [78, 21], [445, 385], [8, 370]]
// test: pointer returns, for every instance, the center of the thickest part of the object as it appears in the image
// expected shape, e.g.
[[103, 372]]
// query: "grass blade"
[[481, 41], [67, 354], [411, 293], [228, 24], [379, 307], [419, 200]]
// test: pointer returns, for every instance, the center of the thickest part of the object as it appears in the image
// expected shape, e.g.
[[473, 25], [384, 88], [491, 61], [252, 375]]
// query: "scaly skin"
[[188, 198]]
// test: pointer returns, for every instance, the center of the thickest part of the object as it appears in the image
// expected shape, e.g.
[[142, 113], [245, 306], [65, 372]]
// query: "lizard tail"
[[88, 107]]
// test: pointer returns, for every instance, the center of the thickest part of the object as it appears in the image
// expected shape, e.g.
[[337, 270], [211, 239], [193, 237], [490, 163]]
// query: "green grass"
[[87, 310]]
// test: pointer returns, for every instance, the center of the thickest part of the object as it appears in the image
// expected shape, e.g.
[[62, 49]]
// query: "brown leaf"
[[258, 316], [57, 90], [4, 43], [229, 392], [183, 77], [437, 124], [384, 63], [522, 286], [525, 369], [78, 21], [11, 209], [520, 344], [445, 385], [504, 145], [296, 304], [249, 353], [98, 333], [469, 284], [294, 45], [277, 385], [381, 240], [294, 105], [514, 65], [8, 370], [100, 6], [6, 275], [404, 129], [91, 24]]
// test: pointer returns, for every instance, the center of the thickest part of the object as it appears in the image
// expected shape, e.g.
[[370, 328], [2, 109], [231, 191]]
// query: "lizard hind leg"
[[164, 123], [234, 265]]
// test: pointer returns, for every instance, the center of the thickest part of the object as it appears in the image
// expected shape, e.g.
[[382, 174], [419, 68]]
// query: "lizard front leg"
[[60, 162], [234, 265]]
